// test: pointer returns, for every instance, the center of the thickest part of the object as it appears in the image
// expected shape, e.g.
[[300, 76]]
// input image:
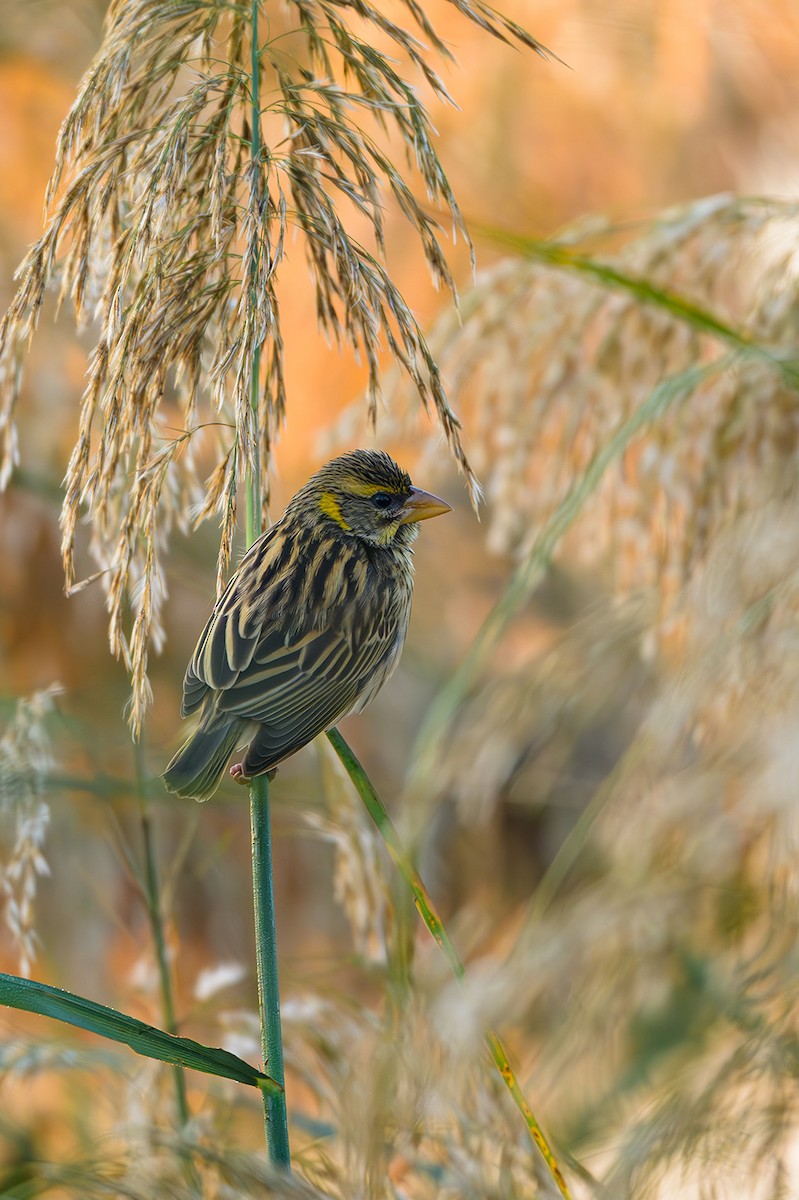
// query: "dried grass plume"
[[186, 160]]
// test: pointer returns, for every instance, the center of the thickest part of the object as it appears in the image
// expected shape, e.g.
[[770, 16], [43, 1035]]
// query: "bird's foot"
[[237, 774]]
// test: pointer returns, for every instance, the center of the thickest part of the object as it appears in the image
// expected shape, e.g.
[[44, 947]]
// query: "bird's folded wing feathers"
[[294, 682], [310, 681], [227, 643]]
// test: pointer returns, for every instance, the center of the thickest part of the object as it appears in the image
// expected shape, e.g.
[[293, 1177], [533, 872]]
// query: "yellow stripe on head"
[[357, 487], [330, 507]]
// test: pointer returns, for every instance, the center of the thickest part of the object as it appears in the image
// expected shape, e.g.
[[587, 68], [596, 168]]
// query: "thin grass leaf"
[[435, 926], [30, 996], [530, 572], [560, 255]]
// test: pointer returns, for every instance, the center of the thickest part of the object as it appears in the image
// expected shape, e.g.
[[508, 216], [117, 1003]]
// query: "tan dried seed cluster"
[[25, 764], [166, 230], [548, 364]]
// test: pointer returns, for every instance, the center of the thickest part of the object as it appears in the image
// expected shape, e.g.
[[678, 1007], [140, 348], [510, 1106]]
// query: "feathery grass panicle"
[[167, 240], [405, 1110], [25, 764], [609, 417], [669, 911], [576, 354], [555, 348]]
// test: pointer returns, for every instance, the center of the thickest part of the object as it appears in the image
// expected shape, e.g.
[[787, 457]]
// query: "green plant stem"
[[254, 480], [277, 1137], [152, 893], [275, 1115], [427, 911]]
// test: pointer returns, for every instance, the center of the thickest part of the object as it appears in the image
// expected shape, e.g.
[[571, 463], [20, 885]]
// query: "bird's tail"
[[198, 766]]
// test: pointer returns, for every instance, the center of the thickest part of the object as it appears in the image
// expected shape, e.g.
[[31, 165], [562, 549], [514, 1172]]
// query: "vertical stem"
[[152, 891], [254, 481], [164, 978], [277, 1137], [275, 1115]]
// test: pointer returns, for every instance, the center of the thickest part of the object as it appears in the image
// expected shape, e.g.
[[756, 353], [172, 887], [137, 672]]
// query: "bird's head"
[[366, 494]]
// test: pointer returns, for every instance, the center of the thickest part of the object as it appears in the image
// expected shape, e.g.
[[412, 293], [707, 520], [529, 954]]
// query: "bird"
[[310, 626]]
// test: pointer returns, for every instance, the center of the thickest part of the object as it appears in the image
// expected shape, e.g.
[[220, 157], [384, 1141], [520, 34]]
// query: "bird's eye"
[[382, 500]]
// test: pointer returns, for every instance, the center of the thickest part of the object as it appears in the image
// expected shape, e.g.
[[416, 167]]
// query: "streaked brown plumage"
[[309, 627]]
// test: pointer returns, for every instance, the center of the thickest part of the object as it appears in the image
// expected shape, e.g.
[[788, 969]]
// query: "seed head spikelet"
[[167, 220], [310, 626]]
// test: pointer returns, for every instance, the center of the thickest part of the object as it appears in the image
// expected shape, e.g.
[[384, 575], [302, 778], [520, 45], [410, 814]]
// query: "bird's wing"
[[297, 690], [293, 681], [227, 643]]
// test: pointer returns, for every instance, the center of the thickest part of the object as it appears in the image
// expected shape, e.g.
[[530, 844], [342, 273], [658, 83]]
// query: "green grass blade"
[[530, 572], [435, 926], [563, 257], [46, 1001]]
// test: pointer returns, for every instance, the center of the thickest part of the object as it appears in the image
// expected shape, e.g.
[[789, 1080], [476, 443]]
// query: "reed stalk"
[[275, 1116], [152, 896], [152, 893]]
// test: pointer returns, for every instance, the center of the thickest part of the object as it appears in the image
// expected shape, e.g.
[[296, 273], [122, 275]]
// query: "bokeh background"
[[652, 106]]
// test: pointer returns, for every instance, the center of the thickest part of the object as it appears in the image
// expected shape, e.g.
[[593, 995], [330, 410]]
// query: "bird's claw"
[[238, 776]]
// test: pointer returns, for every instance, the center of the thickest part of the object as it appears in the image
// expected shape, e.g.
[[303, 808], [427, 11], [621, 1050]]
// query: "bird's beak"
[[421, 505]]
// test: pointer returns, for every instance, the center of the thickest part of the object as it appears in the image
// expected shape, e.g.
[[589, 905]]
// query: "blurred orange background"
[[650, 104], [647, 104]]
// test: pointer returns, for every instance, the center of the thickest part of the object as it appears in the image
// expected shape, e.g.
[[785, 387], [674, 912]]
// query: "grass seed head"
[[167, 221]]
